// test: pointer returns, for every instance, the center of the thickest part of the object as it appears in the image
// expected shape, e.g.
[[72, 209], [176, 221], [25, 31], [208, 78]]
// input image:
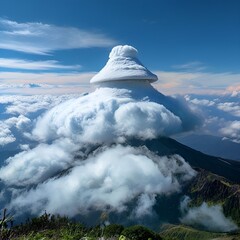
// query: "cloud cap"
[[123, 64]]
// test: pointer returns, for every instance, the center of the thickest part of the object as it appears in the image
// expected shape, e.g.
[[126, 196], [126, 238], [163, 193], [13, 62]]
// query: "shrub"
[[5, 231], [113, 230], [139, 233]]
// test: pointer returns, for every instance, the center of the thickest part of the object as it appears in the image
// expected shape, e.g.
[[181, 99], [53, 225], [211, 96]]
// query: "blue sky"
[[191, 45]]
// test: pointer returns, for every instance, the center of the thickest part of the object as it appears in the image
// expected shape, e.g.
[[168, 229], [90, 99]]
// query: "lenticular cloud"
[[123, 64], [80, 161]]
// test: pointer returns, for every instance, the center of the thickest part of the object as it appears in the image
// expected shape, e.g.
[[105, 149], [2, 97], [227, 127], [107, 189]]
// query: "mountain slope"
[[181, 232], [213, 189], [167, 146]]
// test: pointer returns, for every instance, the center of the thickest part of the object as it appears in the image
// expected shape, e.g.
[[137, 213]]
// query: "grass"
[[51, 227], [181, 232]]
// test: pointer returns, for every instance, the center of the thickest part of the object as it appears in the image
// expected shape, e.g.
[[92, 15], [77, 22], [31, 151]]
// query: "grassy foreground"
[[48, 227]]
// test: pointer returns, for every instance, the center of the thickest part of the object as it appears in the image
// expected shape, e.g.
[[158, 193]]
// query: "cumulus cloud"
[[24, 105], [18, 114], [77, 163], [6, 136], [40, 38], [204, 102], [38, 164], [57, 173], [21, 122], [101, 116], [231, 131], [221, 114], [211, 218], [230, 107], [109, 179]]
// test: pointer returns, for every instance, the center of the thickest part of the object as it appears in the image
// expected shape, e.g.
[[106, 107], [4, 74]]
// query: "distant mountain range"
[[212, 145]]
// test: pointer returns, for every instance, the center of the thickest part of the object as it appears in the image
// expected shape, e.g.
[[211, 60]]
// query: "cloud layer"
[[209, 217], [108, 180], [61, 164], [110, 114], [221, 114], [18, 115]]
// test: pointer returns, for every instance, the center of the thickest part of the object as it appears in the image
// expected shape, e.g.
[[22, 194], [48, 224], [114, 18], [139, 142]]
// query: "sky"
[[56, 46]]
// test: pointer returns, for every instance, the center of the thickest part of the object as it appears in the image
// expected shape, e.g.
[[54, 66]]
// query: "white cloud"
[[104, 182], [37, 165], [203, 102], [211, 218], [108, 115], [144, 206], [101, 116], [221, 114], [230, 107], [231, 131], [24, 105], [191, 66], [34, 65], [18, 114], [20, 122], [40, 38], [6, 135]]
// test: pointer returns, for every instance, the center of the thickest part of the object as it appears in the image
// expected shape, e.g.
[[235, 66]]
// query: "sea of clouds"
[[70, 155], [221, 114]]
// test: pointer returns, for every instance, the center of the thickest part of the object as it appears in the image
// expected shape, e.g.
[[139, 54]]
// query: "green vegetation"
[[140, 233], [214, 189], [51, 227], [181, 232], [5, 231]]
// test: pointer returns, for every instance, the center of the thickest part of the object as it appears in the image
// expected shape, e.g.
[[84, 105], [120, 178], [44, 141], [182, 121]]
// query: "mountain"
[[100, 153], [166, 146], [214, 189], [217, 183], [212, 145]]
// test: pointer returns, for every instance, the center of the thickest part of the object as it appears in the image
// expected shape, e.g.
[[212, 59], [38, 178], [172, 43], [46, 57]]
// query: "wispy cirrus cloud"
[[40, 38], [14, 63], [195, 66]]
